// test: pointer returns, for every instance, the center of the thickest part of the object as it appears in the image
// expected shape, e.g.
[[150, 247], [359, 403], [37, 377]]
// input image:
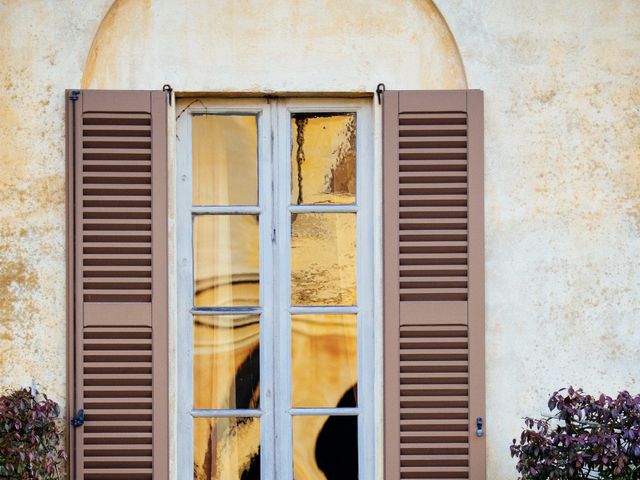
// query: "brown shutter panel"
[[434, 284], [117, 284]]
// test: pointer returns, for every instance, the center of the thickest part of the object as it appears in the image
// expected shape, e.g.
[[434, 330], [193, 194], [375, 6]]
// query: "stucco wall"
[[562, 156]]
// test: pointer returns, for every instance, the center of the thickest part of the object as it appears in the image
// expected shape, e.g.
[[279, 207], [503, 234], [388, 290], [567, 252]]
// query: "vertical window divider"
[[282, 185], [265, 203]]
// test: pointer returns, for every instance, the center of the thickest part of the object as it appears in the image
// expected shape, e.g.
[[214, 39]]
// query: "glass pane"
[[226, 361], [325, 447], [324, 360], [323, 158], [226, 448], [225, 159], [226, 255], [323, 259]]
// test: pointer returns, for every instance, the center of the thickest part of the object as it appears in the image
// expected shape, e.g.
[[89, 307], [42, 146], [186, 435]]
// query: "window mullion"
[[267, 295], [284, 467]]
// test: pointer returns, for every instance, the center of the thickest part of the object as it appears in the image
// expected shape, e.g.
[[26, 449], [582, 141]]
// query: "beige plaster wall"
[[562, 155]]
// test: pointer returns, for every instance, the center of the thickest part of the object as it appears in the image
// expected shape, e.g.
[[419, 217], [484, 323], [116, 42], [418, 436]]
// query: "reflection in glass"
[[324, 359], [226, 361], [323, 158], [226, 448], [225, 159], [323, 259], [325, 447], [226, 254]]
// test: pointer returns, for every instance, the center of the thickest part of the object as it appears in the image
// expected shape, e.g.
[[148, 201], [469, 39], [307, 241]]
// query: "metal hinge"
[[74, 95], [479, 425], [78, 419]]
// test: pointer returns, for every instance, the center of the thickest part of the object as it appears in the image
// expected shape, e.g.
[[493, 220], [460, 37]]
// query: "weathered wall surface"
[[562, 155], [44, 48]]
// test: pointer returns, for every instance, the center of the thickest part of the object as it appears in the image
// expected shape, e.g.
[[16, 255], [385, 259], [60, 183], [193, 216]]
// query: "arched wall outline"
[[282, 46]]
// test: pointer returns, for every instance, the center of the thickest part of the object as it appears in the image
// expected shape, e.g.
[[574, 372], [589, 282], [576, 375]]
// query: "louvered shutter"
[[117, 283], [434, 284]]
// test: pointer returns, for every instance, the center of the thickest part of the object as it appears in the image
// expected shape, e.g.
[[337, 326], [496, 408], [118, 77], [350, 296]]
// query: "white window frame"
[[274, 156]]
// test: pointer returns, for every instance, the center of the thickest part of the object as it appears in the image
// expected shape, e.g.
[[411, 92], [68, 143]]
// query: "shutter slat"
[[116, 130], [434, 200], [433, 154], [440, 448], [431, 227], [433, 177], [116, 166], [119, 319], [95, 143], [433, 166], [432, 141], [431, 130]]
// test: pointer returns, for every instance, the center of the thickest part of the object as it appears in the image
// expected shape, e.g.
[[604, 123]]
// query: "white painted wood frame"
[[274, 209]]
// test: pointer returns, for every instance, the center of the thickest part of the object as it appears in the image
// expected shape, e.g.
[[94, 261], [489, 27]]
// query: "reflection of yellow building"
[[226, 268], [324, 367]]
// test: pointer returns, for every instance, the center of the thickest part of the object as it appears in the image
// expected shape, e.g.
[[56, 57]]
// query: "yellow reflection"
[[323, 158], [226, 448], [324, 360], [226, 260], [325, 447], [323, 259], [226, 367], [225, 159]]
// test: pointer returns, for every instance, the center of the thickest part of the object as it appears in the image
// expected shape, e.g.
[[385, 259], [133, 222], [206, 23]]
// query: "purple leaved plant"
[[30, 437], [585, 437]]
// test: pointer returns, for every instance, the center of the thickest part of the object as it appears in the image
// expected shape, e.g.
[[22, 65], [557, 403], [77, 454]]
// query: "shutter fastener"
[[379, 91], [479, 431], [166, 88], [78, 419]]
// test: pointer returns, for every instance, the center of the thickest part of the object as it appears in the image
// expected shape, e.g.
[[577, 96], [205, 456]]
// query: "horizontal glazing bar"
[[200, 413], [333, 208], [322, 310], [224, 209], [325, 411], [226, 310]]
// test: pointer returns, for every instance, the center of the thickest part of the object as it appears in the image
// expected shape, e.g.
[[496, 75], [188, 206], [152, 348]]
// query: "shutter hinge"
[[78, 419], [479, 427], [75, 94], [379, 91], [166, 88]]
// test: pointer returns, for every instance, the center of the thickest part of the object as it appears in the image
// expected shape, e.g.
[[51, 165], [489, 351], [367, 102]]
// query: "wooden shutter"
[[434, 284], [117, 284]]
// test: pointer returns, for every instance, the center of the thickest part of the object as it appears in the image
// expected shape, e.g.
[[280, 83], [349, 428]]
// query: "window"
[[273, 315], [275, 280]]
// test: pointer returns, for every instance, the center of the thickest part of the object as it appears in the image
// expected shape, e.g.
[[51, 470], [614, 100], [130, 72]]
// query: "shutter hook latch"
[[479, 430], [78, 419], [166, 88], [379, 91]]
